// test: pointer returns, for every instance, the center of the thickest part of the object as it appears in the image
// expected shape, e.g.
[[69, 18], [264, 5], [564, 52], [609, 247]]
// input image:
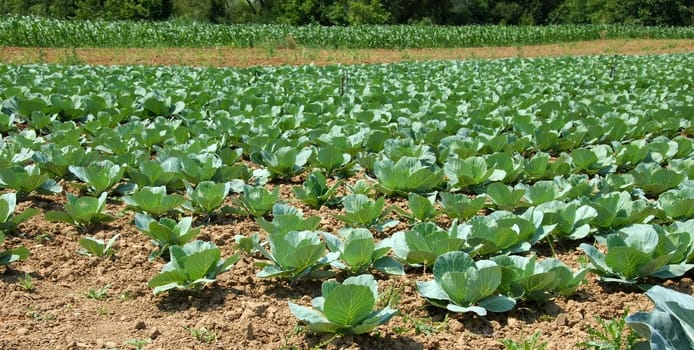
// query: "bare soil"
[[241, 311], [232, 57]]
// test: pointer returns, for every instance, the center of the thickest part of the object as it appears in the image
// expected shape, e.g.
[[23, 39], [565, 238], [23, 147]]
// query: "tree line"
[[349, 12]]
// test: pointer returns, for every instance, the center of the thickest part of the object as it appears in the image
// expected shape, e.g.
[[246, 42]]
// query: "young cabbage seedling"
[[256, 201], [294, 255], [359, 253], [192, 266], [346, 308], [81, 211], [9, 221], [315, 192], [166, 233], [97, 247], [153, 200], [463, 285]]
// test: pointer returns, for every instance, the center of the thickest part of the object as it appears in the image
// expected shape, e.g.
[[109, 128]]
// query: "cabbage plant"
[[286, 218], [359, 253], [28, 179], [640, 251], [192, 266], [166, 233], [345, 308], [81, 211], [460, 206], [156, 173], [206, 197], [463, 285], [294, 255], [571, 220], [424, 242], [283, 162], [406, 175], [315, 191], [362, 211], [153, 200], [99, 176], [8, 220], [256, 201], [526, 278], [11, 255], [670, 326]]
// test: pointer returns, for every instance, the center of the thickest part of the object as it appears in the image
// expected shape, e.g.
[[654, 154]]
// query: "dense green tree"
[[347, 12]]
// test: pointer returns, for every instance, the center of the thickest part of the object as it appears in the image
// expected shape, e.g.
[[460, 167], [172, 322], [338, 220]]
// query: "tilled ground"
[[231, 57], [242, 311]]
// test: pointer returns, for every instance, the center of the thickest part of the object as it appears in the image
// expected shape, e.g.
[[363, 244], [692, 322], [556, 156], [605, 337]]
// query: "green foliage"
[[315, 192], [653, 179], [283, 162], [153, 200], [25, 180], [256, 201], [362, 211], [460, 206], [406, 175], [463, 173], [532, 343], [571, 220], [463, 285], [286, 218], [670, 325], [424, 242], [99, 176], [332, 161], [641, 251], [154, 173], [345, 308], [206, 197], [613, 335], [166, 233], [294, 255], [525, 278], [11, 255], [97, 247], [502, 232], [359, 253], [98, 294], [8, 220], [192, 266], [81, 211], [201, 334]]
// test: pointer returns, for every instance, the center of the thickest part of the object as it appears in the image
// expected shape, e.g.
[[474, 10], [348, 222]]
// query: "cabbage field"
[[416, 205]]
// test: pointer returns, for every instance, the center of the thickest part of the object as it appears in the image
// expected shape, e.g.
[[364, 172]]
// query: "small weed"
[[528, 344], [137, 344], [125, 296], [98, 294], [201, 334], [26, 282], [297, 331], [43, 238], [422, 326], [546, 318], [39, 316], [103, 311], [614, 335], [391, 296]]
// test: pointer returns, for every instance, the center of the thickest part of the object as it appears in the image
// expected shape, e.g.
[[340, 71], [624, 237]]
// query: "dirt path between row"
[[232, 57]]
